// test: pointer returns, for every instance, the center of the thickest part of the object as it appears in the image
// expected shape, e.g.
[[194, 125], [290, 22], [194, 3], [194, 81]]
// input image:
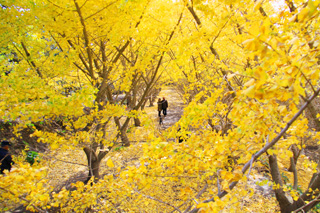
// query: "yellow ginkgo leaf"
[[110, 163]]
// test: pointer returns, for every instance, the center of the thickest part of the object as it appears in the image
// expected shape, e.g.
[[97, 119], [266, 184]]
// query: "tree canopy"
[[78, 71]]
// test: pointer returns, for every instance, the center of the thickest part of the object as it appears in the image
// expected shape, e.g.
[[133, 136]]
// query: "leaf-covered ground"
[[124, 157], [69, 166]]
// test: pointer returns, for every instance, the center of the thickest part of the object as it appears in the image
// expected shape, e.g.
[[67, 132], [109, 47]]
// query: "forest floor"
[[129, 156], [70, 166], [126, 156]]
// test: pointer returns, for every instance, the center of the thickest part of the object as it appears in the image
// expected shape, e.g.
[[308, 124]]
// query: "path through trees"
[[175, 109]]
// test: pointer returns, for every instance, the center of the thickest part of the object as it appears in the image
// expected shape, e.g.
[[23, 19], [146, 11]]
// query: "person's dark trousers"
[[159, 113], [164, 112]]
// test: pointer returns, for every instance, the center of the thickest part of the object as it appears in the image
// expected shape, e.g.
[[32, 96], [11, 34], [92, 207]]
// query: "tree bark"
[[93, 164], [286, 205], [276, 177], [124, 138], [137, 122], [293, 160], [314, 185], [313, 112], [122, 131], [150, 101]]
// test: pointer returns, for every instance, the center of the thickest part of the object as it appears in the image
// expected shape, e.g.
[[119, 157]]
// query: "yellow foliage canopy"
[[244, 69]]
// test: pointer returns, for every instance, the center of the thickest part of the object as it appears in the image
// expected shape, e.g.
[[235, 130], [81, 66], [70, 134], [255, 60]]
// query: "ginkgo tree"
[[247, 69], [266, 42], [104, 60], [269, 99]]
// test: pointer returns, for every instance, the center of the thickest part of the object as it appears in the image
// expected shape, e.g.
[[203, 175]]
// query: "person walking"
[[159, 107], [164, 106], [5, 157]]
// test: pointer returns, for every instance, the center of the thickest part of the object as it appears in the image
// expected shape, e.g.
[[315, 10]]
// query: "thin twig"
[[22, 198], [251, 162], [100, 10], [308, 81], [69, 162], [218, 183], [155, 199], [308, 204]]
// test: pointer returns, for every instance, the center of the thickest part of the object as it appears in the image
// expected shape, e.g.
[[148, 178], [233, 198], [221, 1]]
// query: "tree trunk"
[[124, 138], [150, 101], [143, 104], [137, 122], [313, 112], [122, 132], [93, 164], [288, 205], [94, 167]]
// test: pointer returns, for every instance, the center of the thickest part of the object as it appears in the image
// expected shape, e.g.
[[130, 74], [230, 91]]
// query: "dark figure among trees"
[[164, 106], [159, 107], [5, 157]]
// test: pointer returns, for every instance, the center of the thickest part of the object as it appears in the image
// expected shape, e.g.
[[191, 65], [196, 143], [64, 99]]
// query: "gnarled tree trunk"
[[137, 122], [123, 131], [305, 202], [93, 163]]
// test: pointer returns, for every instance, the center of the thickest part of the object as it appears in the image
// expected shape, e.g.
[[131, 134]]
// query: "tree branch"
[[308, 205], [193, 13], [291, 6], [28, 58], [293, 161], [309, 195], [100, 10], [158, 65], [90, 153], [158, 200], [86, 39], [265, 148], [104, 86], [22, 198]]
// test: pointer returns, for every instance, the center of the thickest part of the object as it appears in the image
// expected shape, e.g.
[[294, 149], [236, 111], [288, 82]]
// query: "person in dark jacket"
[[5, 157], [159, 107], [164, 106]]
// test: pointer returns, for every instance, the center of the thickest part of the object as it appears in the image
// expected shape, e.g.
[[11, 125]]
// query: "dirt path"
[[174, 110]]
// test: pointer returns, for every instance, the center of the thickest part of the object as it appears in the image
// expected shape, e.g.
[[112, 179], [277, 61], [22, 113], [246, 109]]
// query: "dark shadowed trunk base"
[[137, 122]]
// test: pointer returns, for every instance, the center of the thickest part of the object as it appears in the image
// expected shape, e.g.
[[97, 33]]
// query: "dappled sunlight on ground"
[[67, 164]]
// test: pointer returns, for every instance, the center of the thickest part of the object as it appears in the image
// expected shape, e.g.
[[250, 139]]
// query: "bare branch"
[[153, 78], [22, 198], [28, 58], [66, 161], [311, 203], [100, 10], [86, 39], [158, 200], [291, 6], [193, 13]]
